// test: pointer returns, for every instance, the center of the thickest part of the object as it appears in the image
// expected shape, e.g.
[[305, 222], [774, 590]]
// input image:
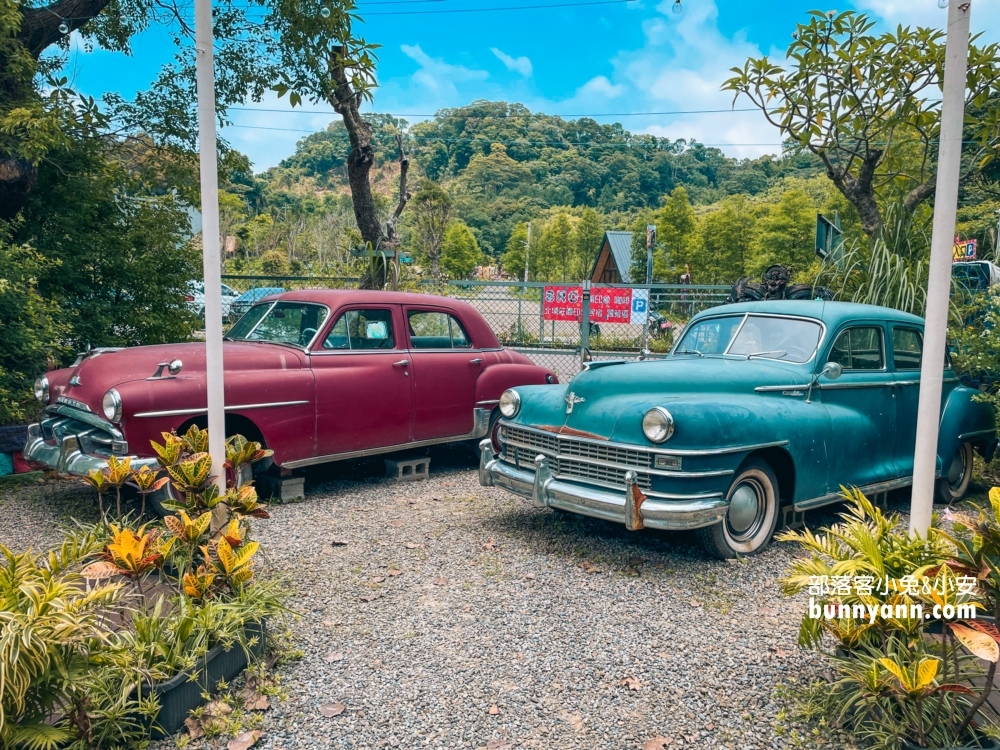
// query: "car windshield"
[[283, 322], [750, 336]]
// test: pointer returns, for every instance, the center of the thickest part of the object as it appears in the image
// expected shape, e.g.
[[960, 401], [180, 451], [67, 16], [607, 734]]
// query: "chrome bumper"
[[545, 491], [65, 456]]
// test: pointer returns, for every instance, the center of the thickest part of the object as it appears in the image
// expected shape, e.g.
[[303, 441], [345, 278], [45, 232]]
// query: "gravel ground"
[[447, 615]]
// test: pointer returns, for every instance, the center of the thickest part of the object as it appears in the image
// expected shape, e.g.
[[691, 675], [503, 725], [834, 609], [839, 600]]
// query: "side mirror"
[[832, 370]]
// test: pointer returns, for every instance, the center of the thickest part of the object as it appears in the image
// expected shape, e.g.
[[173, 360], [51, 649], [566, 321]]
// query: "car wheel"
[[955, 483], [752, 516]]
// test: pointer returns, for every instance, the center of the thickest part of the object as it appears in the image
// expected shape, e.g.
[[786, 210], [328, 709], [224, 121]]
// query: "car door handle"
[[401, 363], [476, 361]]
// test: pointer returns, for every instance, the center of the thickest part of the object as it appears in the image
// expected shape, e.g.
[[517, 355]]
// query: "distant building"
[[614, 261]]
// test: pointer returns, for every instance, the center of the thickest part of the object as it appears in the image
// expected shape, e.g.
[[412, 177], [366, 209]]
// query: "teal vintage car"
[[759, 405]]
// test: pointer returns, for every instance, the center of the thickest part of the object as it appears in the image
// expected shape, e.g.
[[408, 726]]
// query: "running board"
[[481, 425]]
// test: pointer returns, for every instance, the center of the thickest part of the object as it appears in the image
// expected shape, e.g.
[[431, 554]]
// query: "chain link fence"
[[514, 311]]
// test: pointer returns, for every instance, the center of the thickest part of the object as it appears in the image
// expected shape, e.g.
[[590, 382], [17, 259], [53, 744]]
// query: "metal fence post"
[[585, 324], [520, 336], [541, 319]]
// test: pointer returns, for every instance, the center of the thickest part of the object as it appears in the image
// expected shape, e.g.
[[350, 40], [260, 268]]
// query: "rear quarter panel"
[[964, 418]]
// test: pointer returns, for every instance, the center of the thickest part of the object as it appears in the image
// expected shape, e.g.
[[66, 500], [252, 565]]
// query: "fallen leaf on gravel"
[[395, 523], [657, 743], [710, 726], [411, 545], [243, 740], [490, 544], [330, 658], [254, 701], [340, 542], [378, 579], [329, 710], [589, 567], [217, 708], [371, 597], [779, 652], [494, 710], [441, 581], [395, 572], [695, 603], [630, 682], [194, 728], [529, 576], [634, 561], [499, 745], [768, 612]]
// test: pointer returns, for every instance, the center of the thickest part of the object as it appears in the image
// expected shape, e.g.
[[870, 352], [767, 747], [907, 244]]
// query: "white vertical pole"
[[210, 239], [527, 249], [939, 281]]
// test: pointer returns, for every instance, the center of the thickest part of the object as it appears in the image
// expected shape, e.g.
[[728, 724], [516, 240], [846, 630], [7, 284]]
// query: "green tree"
[[869, 106], [587, 239], [558, 251], [431, 212], [727, 238], [29, 333], [785, 233], [460, 253], [676, 232], [118, 263]]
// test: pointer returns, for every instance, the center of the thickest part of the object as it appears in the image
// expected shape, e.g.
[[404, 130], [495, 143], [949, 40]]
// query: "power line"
[[497, 8], [506, 143], [508, 116]]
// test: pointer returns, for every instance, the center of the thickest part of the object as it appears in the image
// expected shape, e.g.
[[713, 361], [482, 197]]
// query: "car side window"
[[859, 349], [906, 348], [436, 330], [361, 330]]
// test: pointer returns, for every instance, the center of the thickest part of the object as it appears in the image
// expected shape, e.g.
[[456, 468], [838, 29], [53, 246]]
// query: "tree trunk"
[[17, 179], [345, 101], [860, 190]]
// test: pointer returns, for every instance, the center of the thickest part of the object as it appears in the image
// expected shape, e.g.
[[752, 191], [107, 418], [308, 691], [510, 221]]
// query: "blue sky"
[[610, 57]]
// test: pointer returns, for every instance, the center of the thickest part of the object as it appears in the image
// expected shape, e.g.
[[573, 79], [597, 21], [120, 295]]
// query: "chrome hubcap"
[[956, 473], [745, 507]]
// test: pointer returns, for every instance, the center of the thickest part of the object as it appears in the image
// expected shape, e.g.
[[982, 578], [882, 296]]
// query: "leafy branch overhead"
[[869, 106]]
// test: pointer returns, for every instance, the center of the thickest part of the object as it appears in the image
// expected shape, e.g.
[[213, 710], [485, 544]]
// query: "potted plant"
[[904, 615], [170, 607]]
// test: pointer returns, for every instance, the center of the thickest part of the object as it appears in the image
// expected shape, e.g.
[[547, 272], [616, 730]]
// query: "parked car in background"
[[759, 405], [196, 298], [249, 298], [316, 376]]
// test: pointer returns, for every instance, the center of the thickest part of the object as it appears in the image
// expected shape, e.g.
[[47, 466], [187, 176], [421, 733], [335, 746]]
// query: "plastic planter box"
[[182, 693]]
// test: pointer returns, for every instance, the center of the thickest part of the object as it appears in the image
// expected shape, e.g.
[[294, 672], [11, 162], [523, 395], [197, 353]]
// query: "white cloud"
[[520, 65], [598, 87], [436, 75], [985, 14]]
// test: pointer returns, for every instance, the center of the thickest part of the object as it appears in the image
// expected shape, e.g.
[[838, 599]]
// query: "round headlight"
[[658, 424], [42, 389], [510, 403], [111, 405]]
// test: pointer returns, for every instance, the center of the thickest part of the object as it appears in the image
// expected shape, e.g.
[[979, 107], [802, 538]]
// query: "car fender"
[[964, 419], [497, 378]]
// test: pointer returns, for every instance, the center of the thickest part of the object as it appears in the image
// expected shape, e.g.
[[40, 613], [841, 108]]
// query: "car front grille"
[[577, 460], [94, 435]]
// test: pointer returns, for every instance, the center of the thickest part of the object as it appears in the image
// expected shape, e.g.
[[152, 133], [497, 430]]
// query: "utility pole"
[[650, 241], [214, 374], [939, 271], [527, 249]]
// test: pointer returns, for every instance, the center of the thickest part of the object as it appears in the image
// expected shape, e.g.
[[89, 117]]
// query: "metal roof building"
[[614, 261]]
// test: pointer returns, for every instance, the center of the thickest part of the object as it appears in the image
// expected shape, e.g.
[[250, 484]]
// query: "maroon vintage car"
[[314, 375]]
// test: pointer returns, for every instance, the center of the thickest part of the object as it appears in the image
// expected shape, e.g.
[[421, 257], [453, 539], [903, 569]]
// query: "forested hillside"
[[480, 173]]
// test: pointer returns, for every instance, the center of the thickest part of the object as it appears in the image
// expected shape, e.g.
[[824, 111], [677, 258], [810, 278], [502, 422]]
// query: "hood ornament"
[[572, 400], [174, 367], [75, 380]]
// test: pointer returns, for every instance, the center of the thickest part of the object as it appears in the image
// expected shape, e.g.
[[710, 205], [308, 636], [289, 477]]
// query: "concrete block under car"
[[282, 489], [407, 469]]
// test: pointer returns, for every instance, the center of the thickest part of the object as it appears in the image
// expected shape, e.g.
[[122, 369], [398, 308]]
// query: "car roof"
[[831, 313], [479, 330]]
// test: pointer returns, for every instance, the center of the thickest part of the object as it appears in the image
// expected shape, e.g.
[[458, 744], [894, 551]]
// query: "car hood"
[[102, 370], [610, 398]]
